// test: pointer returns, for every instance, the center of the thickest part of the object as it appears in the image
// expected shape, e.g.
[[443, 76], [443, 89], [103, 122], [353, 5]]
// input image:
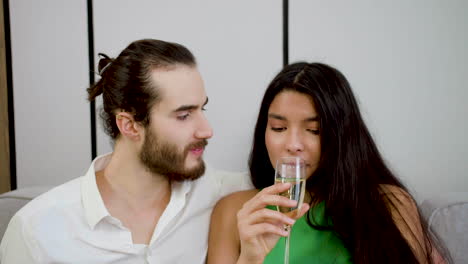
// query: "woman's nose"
[[294, 143]]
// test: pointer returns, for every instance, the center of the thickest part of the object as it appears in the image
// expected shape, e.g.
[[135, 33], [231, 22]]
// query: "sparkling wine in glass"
[[291, 170]]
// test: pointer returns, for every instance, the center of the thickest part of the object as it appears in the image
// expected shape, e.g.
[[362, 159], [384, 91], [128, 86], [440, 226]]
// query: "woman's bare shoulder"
[[236, 200], [396, 195]]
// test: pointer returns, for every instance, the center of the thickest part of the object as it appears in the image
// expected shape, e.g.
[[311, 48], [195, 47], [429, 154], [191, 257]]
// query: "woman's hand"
[[259, 227]]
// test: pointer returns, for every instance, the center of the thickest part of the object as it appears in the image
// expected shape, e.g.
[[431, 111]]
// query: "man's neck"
[[133, 195], [125, 178]]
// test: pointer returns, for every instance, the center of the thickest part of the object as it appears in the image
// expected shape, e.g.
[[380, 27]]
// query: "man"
[[147, 202]]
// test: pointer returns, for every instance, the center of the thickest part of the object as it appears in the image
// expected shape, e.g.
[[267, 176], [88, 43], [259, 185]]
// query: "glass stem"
[[286, 248]]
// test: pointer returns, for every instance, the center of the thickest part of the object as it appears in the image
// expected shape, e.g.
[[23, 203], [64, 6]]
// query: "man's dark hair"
[[126, 83]]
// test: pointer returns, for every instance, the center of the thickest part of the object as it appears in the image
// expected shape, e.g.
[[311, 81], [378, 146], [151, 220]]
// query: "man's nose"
[[204, 130]]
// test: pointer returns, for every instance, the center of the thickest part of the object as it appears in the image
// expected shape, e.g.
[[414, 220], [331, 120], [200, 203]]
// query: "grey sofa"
[[447, 215]]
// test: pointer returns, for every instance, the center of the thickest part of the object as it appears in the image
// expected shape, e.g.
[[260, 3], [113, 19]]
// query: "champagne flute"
[[291, 170]]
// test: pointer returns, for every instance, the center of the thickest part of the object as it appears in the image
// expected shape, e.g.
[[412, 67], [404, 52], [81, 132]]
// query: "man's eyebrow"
[[189, 107]]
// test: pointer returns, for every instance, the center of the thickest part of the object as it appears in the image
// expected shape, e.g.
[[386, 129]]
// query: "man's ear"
[[127, 125]]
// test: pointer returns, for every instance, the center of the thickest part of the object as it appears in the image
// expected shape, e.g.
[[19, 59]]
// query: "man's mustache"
[[199, 144]]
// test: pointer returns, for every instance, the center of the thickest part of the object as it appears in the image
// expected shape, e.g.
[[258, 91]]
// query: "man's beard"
[[163, 158]]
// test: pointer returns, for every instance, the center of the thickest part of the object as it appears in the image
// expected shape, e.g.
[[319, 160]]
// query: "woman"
[[359, 211]]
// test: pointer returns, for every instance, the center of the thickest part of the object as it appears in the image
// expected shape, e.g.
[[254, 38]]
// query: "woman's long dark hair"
[[351, 170]]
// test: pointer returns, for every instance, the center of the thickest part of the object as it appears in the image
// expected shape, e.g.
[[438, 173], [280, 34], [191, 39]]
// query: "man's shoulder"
[[229, 181], [223, 176], [58, 197]]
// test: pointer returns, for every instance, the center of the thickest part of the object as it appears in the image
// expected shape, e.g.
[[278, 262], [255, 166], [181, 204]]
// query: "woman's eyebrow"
[[276, 116], [311, 119], [280, 117]]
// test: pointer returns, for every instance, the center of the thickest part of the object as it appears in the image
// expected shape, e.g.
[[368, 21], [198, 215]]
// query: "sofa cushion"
[[447, 216]]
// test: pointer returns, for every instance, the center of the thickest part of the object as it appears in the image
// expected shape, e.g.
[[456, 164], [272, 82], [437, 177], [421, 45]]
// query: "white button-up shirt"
[[70, 224]]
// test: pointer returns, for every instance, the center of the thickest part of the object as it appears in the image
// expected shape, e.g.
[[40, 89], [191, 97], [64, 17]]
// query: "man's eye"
[[278, 129], [183, 117]]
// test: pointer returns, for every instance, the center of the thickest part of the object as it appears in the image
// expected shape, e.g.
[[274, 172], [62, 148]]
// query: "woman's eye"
[[278, 129], [314, 131]]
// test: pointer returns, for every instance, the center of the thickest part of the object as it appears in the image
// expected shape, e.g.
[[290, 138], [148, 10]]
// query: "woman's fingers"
[[269, 196], [261, 201], [275, 217], [261, 229], [298, 213], [276, 188], [254, 211], [271, 216]]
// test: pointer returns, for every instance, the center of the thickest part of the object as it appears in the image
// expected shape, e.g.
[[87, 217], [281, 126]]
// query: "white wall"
[[407, 61], [50, 75]]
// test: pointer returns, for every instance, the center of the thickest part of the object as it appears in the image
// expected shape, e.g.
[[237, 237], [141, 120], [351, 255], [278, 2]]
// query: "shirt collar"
[[178, 200], [94, 207]]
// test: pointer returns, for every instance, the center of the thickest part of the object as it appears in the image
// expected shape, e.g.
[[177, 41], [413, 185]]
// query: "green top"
[[308, 245]]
